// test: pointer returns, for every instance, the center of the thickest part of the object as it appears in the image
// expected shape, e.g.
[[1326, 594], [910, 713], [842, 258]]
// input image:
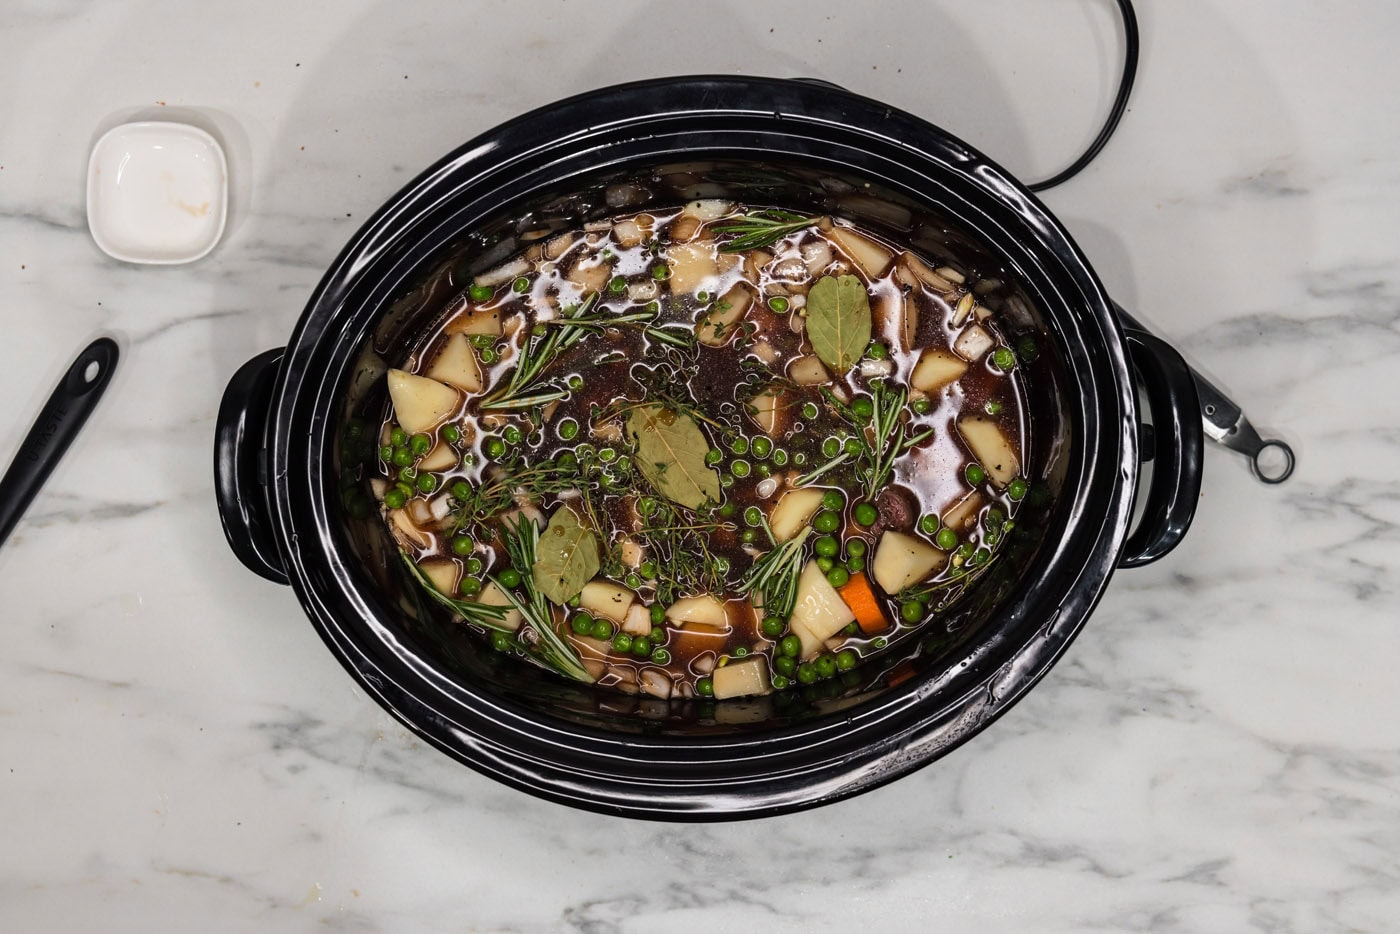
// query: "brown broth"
[[624, 364]]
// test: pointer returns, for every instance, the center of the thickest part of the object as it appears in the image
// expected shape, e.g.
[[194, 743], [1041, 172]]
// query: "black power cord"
[[1120, 102]]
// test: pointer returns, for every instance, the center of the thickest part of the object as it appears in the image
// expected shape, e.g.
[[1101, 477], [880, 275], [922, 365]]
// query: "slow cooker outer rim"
[[861, 775]]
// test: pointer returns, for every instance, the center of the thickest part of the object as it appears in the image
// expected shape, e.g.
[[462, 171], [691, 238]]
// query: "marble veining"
[[1217, 751]]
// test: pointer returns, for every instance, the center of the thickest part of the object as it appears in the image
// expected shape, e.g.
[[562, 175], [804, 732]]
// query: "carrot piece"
[[858, 595]]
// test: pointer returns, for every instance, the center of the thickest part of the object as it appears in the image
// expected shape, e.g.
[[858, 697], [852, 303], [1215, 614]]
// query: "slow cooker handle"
[[1178, 439], [240, 466]]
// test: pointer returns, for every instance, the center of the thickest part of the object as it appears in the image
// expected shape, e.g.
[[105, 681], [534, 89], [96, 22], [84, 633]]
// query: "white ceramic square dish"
[[157, 192]]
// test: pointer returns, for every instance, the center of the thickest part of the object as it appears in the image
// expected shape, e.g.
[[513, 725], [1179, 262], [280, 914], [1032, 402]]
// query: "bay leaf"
[[566, 557], [671, 453], [838, 321]]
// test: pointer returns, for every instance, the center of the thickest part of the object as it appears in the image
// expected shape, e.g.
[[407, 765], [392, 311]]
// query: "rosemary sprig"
[[883, 437], [492, 617], [775, 574], [539, 351], [761, 228], [813, 476], [549, 648]]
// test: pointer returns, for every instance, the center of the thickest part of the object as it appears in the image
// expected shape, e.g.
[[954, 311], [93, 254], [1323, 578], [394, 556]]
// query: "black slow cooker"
[[283, 456]]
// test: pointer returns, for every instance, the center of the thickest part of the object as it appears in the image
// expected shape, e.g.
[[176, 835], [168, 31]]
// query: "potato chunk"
[[936, 369], [873, 258], [984, 437], [792, 512], [443, 574], [692, 266], [703, 610], [819, 608], [973, 342], [742, 678], [420, 403], [716, 326], [807, 370], [455, 365], [491, 595], [602, 597], [766, 409], [901, 560]]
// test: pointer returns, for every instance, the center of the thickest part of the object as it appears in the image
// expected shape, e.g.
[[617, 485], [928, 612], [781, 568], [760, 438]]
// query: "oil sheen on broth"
[[713, 452]]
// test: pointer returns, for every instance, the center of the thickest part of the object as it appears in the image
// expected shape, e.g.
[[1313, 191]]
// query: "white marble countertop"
[[1218, 750]]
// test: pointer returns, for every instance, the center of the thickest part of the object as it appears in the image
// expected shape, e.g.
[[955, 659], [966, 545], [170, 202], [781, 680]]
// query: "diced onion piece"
[[478, 321], [973, 342], [808, 370], [420, 403], [963, 309], [913, 271], [438, 459], [709, 209], [590, 274], [872, 258], [819, 609], [951, 274], [741, 678], [406, 531], [901, 560], [793, 511], [716, 326], [503, 273], [443, 575], [991, 448], [628, 233], [558, 246], [638, 621], [936, 368], [817, 255], [491, 595], [871, 368], [455, 365], [602, 597], [704, 610], [643, 290], [655, 682], [692, 266]]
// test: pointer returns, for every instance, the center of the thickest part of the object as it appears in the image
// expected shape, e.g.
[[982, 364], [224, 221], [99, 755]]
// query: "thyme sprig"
[[761, 229], [775, 575], [882, 437]]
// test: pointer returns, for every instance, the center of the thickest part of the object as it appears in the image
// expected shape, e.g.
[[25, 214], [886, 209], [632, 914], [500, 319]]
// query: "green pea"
[[741, 469], [510, 578], [753, 516], [773, 626], [851, 629], [403, 457], [647, 569], [837, 576], [831, 447], [799, 459], [975, 474], [386, 453], [852, 447], [877, 351], [866, 514], [409, 475], [946, 539], [762, 470], [568, 429], [575, 382], [539, 330], [427, 483], [928, 524], [741, 652], [661, 656], [633, 580], [490, 355], [785, 664], [880, 642], [475, 566], [1016, 490], [720, 564], [749, 536], [658, 635], [702, 296], [980, 557], [601, 629], [846, 659], [832, 500], [461, 492], [495, 448], [780, 682], [566, 461], [705, 687], [921, 406], [406, 489], [806, 673], [713, 456], [826, 521], [791, 646], [778, 304], [825, 564], [658, 614], [826, 546], [727, 510], [911, 611], [739, 446], [582, 624], [660, 272], [863, 406], [622, 643], [810, 410], [1026, 347], [993, 407], [470, 586], [780, 458], [500, 641], [617, 285], [451, 434], [994, 518], [855, 547], [855, 565], [726, 480], [480, 293], [512, 435], [395, 498], [641, 646], [826, 667], [761, 447], [1003, 358], [398, 437]]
